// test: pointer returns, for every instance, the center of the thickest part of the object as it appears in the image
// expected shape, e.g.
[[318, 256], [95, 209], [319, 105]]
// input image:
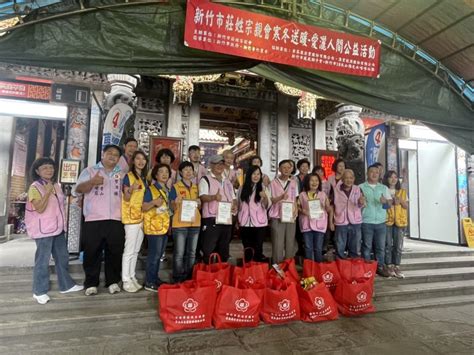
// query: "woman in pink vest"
[[44, 218], [338, 167], [284, 188], [253, 203], [166, 156], [313, 229], [348, 203]]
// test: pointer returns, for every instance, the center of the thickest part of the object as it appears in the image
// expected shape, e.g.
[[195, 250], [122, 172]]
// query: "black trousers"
[[252, 237], [102, 236], [215, 238]]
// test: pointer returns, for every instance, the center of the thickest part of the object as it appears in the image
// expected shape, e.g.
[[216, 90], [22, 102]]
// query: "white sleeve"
[[203, 187], [387, 194]]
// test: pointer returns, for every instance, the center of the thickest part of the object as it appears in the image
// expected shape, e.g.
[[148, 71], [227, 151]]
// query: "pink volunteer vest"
[[255, 211], [49, 223], [347, 210], [209, 209], [201, 171], [307, 224], [104, 202], [277, 189]]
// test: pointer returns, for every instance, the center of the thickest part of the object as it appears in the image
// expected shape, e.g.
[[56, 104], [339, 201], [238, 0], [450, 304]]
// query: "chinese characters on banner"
[[228, 30], [21, 90]]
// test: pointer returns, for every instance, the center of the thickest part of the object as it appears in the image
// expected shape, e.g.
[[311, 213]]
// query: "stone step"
[[431, 275], [437, 254], [437, 263], [387, 306], [400, 292]]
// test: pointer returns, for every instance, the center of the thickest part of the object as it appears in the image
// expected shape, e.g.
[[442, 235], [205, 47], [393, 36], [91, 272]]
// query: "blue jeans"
[[374, 235], [45, 247], [184, 253], [313, 245], [348, 237], [156, 247], [394, 245]]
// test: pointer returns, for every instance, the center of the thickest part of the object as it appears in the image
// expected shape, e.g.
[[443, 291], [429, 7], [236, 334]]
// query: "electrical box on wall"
[[400, 131]]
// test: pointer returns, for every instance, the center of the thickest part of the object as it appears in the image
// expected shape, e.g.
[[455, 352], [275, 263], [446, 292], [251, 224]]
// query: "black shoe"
[[151, 288], [383, 272]]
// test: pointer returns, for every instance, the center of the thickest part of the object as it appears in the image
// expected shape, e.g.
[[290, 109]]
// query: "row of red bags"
[[227, 296]]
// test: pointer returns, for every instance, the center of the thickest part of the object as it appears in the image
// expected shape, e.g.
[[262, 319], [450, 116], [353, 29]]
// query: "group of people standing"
[[124, 202]]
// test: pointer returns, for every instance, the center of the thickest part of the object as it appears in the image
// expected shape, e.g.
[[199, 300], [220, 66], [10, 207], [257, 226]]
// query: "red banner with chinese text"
[[19, 90], [228, 30]]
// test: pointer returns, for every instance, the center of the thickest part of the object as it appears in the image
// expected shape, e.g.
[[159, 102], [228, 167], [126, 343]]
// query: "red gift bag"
[[317, 304], [354, 297], [289, 268], [237, 308], [251, 271], [326, 272], [357, 268], [257, 286], [218, 272], [281, 305], [189, 305]]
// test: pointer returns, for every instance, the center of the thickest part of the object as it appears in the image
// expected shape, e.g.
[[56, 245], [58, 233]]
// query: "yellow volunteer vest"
[[132, 210], [397, 214], [189, 194], [157, 223]]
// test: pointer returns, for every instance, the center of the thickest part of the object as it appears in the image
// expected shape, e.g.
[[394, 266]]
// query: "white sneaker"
[[129, 286], [74, 288], [41, 299], [91, 291], [114, 288], [137, 284]]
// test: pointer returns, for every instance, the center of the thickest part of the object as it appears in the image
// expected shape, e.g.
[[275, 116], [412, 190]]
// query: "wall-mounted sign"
[[26, 91], [75, 95], [70, 169], [225, 29], [115, 123]]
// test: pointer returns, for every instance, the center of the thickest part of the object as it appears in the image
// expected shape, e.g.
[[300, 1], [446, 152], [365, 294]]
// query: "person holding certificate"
[[156, 223], [185, 203], [283, 212], [218, 205], [348, 204], [253, 203], [314, 207]]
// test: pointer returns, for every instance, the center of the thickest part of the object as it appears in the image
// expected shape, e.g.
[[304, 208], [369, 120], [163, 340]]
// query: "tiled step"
[[399, 292], [437, 263], [437, 254], [431, 275], [423, 302]]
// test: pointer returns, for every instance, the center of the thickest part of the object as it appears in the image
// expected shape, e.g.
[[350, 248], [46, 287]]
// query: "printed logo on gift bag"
[[319, 302], [284, 305], [328, 276], [250, 280], [218, 283], [368, 274], [361, 296], [190, 305], [242, 305]]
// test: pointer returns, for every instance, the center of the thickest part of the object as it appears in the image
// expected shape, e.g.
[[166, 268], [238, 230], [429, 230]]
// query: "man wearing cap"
[[213, 189], [101, 186]]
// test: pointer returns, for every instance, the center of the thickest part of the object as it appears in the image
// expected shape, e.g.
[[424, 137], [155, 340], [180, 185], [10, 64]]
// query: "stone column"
[[320, 134], [194, 124], [283, 129], [174, 118], [122, 87], [350, 139], [264, 139], [7, 137]]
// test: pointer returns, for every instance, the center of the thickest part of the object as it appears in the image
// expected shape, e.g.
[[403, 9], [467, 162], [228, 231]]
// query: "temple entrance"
[[225, 127]]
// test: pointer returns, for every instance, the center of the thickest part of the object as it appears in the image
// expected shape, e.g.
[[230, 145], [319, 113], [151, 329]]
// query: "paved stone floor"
[[448, 330]]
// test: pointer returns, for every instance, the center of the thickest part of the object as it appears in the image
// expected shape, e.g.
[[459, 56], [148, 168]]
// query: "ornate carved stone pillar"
[[350, 139]]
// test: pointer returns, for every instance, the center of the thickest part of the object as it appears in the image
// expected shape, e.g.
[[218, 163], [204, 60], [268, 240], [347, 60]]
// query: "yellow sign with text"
[[468, 231]]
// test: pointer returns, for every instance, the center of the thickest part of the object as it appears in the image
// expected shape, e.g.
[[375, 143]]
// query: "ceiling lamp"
[[183, 87], [306, 103]]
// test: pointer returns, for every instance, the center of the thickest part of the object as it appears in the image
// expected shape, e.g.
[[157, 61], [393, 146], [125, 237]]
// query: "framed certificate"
[[315, 209], [188, 210], [224, 213], [287, 212]]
